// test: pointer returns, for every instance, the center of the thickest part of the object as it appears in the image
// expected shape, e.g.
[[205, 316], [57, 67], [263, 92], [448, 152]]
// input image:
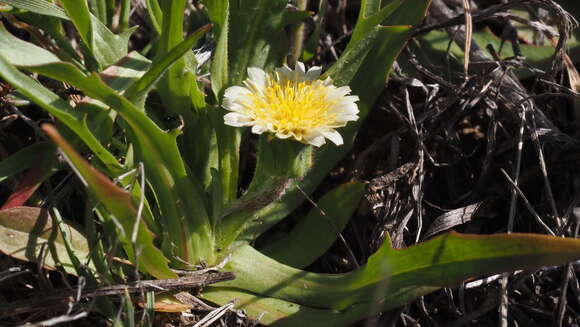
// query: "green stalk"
[[175, 91], [279, 163], [228, 138], [297, 36], [175, 87], [155, 15], [110, 9], [125, 15], [99, 8]]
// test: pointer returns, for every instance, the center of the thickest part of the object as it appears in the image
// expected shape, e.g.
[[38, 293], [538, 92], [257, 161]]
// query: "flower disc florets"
[[291, 104]]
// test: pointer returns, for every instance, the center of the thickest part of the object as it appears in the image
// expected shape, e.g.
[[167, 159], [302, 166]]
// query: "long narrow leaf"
[[316, 232], [42, 7], [443, 261], [22, 160], [279, 313], [139, 90], [22, 53], [219, 13], [119, 203], [59, 109], [180, 198]]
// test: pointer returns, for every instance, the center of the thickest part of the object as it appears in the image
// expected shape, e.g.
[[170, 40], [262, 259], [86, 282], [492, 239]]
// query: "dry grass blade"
[[452, 218], [63, 297], [468, 35]]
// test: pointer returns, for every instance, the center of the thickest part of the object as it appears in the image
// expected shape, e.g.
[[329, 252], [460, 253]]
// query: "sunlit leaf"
[[443, 261], [27, 233], [59, 108], [315, 233], [119, 203], [22, 53], [143, 85]]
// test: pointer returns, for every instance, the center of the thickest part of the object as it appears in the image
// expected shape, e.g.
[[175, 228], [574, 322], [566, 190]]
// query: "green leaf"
[[187, 229], [370, 16], [367, 76], [126, 72], [105, 46], [175, 86], [22, 160], [22, 53], [59, 109], [280, 313], [78, 12], [42, 7], [28, 234], [178, 91], [120, 76], [315, 233], [138, 91], [218, 12], [99, 8], [53, 28], [118, 202], [155, 14], [441, 262], [256, 36]]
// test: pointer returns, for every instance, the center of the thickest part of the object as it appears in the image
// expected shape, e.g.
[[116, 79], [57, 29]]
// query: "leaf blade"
[[316, 232], [119, 203], [24, 232]]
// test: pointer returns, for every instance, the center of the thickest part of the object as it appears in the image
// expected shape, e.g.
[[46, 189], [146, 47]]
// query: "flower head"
[[291, 104]]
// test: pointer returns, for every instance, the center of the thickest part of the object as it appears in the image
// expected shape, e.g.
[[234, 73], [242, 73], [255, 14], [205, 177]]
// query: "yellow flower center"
[[293, 107]]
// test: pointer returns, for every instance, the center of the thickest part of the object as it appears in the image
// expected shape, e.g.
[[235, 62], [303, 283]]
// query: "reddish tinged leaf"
[[32, 179], [118, 202]]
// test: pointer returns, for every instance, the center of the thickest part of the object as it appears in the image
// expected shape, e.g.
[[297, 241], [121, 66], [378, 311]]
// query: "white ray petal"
[[257, 77], [258, 129], [237, 119], [314, 72], [316, 140], [333, 136]]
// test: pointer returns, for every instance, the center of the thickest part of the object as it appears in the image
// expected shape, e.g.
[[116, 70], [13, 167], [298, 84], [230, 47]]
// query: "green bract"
[[188, 213]]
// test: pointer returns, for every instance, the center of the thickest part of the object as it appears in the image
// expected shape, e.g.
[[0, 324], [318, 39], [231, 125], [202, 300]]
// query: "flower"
[[291, 104]]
